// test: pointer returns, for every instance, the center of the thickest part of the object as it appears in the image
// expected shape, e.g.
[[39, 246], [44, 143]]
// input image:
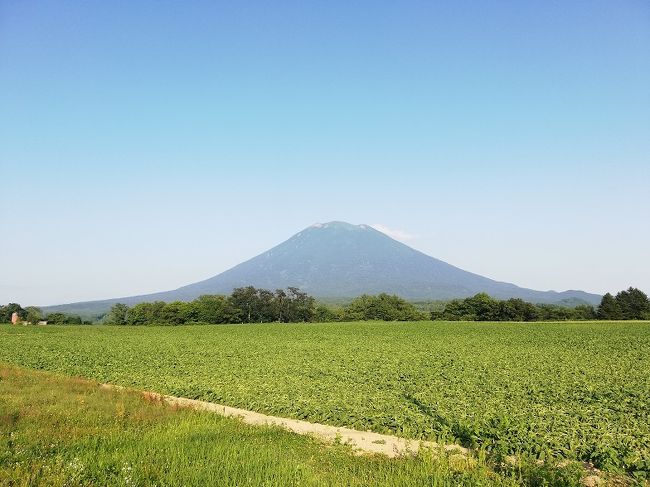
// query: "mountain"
[[336, 260]]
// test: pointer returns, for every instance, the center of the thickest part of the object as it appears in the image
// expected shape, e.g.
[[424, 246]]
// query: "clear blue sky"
[[147, 145]]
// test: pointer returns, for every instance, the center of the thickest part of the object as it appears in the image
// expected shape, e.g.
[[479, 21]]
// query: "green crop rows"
[[572, 390]]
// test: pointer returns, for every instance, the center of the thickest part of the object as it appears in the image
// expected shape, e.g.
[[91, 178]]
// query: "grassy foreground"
[[64, 431], [553, 391]]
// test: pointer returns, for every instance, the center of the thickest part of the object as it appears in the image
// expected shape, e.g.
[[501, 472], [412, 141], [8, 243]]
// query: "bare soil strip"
[[360, 441]]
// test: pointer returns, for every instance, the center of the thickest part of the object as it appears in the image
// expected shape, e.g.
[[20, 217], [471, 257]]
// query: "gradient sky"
[[148, 145]]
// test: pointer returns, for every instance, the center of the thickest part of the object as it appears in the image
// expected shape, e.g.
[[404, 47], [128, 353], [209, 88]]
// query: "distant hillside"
[[340, 260]]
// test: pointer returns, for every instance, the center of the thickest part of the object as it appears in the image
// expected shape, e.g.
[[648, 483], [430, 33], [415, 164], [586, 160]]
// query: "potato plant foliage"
[[569, 390]]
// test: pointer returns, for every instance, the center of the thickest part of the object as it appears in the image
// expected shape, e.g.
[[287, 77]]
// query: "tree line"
[[244, 305], [252, 305], [631, 304], [33, 314], [482, 307]]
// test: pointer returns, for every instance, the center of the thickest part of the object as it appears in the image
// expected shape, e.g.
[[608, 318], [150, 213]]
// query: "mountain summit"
[[339, 260]]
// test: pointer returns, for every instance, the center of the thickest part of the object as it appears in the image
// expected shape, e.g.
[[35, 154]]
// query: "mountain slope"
[[338, 259]]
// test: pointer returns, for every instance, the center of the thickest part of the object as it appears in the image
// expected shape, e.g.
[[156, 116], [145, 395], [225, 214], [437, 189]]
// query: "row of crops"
[[570, 390]]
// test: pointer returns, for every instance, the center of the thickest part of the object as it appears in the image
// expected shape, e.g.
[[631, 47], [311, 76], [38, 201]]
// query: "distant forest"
[[252, 305]]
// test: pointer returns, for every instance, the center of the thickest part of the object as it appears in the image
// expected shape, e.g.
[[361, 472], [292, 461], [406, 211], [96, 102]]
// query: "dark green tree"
[[554, 312], [9, 309], [177, 313], [584, 312], [608, 308], [281, 303], [266, 308], [458, 310], [325, 314], [483, 307], [301, 306], [56, 318], [381, 307], [246, 301], [215, 309], [633, 304], [34, 315], [118, 315], [146, 313], [63, 319], [513, 309]]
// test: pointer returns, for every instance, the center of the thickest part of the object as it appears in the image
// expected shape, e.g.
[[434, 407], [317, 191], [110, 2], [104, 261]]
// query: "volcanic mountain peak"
[[340, 260]]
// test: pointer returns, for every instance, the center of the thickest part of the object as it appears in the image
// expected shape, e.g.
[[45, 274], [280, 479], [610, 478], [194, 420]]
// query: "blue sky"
[[147, 145]]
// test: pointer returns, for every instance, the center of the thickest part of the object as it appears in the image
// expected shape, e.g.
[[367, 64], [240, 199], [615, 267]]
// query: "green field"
[[58, 431], [566, 390]]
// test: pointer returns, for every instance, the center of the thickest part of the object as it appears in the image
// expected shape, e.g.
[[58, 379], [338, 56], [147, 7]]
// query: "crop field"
[[552, 390], [59, 431]]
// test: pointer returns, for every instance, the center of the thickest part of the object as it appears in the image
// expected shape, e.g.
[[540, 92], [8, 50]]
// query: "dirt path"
[[362, 441]]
